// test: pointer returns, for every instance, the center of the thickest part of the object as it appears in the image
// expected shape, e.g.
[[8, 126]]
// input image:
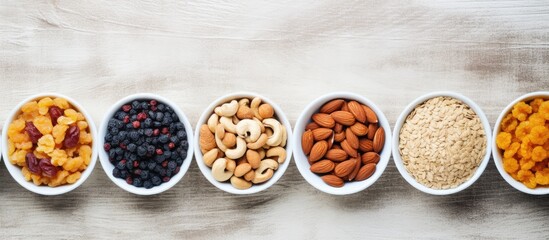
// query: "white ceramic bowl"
[[226, 186], [498, 159], [108, 166], [396, 135], [301, 159], [15, 171]]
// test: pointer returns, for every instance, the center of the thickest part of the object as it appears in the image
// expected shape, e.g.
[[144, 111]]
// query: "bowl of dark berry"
[[146, 144]]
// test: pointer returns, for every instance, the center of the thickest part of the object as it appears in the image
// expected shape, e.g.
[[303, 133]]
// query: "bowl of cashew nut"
[[244, 143]]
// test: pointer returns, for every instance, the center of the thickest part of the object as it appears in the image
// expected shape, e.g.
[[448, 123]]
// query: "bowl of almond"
[[342, 143]]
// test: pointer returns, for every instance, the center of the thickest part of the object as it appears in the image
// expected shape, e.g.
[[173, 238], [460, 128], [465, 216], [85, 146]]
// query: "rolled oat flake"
[[442, 143]]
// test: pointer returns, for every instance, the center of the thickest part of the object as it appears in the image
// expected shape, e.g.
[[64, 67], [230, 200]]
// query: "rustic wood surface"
[[192, 52]]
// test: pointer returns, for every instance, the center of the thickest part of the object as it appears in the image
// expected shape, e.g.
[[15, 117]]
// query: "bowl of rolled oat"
[[441, 143]]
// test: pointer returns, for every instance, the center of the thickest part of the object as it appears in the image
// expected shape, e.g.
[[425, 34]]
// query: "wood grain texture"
[[292, 52]]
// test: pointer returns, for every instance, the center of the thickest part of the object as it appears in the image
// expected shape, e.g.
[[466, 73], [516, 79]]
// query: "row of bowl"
[[293, 145]]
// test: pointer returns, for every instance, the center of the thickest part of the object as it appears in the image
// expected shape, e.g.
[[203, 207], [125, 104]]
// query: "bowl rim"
[[396, 134], [498, 160], [226, 186], [16, 172], [108, 166], [301, 159]]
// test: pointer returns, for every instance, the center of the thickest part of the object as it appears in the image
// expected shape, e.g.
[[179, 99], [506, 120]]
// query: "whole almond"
[[351, 138], [365, 145], [307, 141], [348, 149], [333, 180], [345, 107], [318, 151], [365, 171], [207, 139], [324, 120], [345, 168], [322, 166], [357, 110], [338, 128], [343, 117], [379, 140], [332, 106], [359, 129], [370, 157], [336, 155], [311, 126], [372, 128], [353, 174], [322, 133], [370, 114], [339, 137]]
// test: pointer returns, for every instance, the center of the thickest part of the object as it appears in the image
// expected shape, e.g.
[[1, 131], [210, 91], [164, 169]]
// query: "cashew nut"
[[218, 170], [249, 176], [260, 124], [279, 152], [219, 131], [249, 130], [265, 171], [255, 107], [236, 120], [261, 153], [275, 125], [242, 169], [229, 140], [244, 112], [244, 102], [259, 143], [266, 111], [231, 165], [228, 124], [240, 183], [253, 158], [212, 122], [285, 136], [227, 109], [210, 157], [237, 152]]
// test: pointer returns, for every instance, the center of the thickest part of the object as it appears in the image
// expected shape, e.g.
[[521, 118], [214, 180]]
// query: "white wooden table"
[[292, 52]]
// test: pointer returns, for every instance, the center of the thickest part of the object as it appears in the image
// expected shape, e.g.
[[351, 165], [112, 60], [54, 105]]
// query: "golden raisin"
[[521, 110], [510, 165], [539, 154]]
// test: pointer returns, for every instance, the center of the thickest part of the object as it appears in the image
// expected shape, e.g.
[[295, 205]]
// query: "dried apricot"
[[542, 177], [503, 140], [544, 109], [510, 165], [535, 104], [539, 135], [511, 150], [527, 177], [509, 123], [539, 154], [521, 110]]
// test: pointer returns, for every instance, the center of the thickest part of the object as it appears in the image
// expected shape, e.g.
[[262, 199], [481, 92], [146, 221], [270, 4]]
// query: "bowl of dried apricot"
[[342, 143], [48, 144], [521, 146]]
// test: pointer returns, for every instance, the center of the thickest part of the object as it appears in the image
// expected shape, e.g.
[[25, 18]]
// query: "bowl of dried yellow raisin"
[[521, 146], [48, 144]]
